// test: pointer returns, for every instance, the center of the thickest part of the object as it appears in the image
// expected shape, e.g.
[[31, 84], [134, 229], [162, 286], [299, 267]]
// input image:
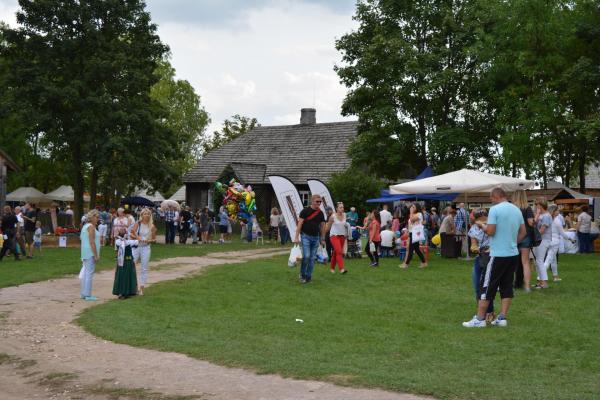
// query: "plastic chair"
[[259, 236]]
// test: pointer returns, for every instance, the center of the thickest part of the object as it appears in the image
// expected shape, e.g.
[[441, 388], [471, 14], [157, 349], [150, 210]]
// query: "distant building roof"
[[298, 152]]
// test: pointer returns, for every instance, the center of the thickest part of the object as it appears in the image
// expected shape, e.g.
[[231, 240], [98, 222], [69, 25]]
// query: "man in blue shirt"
[[505, 227]]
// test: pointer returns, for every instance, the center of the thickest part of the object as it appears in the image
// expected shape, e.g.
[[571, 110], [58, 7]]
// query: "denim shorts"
[[525, 243]]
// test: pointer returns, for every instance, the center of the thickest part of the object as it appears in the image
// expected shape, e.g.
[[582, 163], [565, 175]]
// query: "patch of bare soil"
[[44, 355]]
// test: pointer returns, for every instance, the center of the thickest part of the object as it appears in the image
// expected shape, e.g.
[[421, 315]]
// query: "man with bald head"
[[311, 224], [505, 227]]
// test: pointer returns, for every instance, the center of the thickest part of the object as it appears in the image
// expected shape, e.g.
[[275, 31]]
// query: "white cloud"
[[268, 60]]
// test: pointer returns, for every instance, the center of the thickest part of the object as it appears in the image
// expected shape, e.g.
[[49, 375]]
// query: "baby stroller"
[[354, 243]]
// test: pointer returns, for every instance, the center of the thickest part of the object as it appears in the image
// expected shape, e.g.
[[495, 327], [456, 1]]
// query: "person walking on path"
[[9, 231], [90, 253], [505, 227], [311, 228], [145, 233], [336, 225], [416, 234], [374, 242]]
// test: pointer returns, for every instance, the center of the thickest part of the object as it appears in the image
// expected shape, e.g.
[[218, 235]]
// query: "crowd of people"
[[21, 232]]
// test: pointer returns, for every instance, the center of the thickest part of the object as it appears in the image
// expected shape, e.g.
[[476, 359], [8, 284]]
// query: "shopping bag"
[[372, 247], [81, 272], [322, 255], [295, 256], [418, 233]]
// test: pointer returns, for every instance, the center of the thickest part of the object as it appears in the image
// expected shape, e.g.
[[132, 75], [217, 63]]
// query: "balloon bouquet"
[[238, 200]]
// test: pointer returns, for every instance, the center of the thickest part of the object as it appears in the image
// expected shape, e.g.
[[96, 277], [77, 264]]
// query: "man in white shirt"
[[387, 242], [386, 217]]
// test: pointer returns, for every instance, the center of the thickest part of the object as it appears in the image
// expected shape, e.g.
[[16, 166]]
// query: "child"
[[102, 229], [125, 284], [481, 246], [37, 237], [403, 241]]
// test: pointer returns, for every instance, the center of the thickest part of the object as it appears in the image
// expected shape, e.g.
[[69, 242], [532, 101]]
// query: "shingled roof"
[[298, 152]]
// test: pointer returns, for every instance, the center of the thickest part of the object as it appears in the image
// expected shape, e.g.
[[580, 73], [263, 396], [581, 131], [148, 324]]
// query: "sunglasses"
[[318, 201]]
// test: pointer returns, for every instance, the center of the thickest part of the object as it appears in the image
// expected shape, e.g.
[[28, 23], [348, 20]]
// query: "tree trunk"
[[78, 183], [582, 160], [93, 187]]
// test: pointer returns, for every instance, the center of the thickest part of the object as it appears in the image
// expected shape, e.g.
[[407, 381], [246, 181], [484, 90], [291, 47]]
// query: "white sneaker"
[[474, 323], [499, 322]]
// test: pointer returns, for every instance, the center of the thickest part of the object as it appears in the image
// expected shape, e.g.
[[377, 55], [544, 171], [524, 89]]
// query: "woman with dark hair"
[[416, 234], [374, 238]]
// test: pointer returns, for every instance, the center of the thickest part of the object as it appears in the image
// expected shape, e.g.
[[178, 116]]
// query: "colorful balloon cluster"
[[239, 201]]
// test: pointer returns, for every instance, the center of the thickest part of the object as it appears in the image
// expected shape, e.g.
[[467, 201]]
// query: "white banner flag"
[[318, 187], [289, 201]]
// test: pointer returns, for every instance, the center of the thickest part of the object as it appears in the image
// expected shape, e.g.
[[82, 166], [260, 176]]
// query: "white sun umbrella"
[[28, 194], [65, 193], [463, 181], [179, 195]]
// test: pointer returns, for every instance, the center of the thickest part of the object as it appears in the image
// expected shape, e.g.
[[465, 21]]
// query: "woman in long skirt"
[[125, 277]]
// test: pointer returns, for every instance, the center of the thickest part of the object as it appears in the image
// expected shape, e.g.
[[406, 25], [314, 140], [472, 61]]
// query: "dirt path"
[[44, 355]]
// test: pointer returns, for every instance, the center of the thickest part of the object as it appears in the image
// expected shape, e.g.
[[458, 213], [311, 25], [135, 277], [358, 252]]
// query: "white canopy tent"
[[28, 194], [462, 181], [179, 195], [65, 193], [155, 198]]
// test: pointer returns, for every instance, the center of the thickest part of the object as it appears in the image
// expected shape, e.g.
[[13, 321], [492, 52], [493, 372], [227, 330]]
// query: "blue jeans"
[[476, 276], [310, 244], [284, 234], [89, 265], [249, 231], [585, 242], [169, 232]]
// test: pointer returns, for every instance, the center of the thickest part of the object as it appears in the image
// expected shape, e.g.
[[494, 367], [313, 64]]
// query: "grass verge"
[[57, 262], [384, 328]]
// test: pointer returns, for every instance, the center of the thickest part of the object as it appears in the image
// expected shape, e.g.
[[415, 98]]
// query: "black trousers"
[[413, 248], [9, 244], [373, 256]]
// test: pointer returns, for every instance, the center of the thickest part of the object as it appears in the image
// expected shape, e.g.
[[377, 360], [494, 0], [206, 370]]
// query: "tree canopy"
[[508, 85]]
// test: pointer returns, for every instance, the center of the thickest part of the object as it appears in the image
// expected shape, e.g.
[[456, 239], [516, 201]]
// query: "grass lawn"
[[57, 262], [386, 328]]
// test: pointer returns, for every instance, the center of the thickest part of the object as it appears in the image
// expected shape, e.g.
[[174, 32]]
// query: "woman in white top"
[[557, 233], [416, 234], [337, 235], [145, 233], [584, 227]]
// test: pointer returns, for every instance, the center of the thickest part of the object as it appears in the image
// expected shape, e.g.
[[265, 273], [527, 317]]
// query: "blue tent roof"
[[386, 197]]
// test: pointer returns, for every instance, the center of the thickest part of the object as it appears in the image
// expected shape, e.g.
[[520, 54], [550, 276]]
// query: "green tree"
[[412, 81], [354, 187], [232, 129], [186, 118], [84, 69]]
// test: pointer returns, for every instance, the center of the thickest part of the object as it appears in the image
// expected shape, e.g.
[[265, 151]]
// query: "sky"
[[258, 58]]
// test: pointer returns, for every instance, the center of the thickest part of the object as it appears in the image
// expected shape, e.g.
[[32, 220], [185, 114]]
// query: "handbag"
[[536, 237]]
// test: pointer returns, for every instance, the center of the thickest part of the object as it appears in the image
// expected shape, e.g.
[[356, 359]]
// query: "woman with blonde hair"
[[90, 253], [519, 199], [144, 232]]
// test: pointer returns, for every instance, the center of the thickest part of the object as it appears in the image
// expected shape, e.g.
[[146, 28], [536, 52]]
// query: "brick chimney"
[[308, 116]]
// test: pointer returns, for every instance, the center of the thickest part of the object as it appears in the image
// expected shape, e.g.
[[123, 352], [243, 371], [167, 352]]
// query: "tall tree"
[[186, 118], [232, 129], [411, 77], [84, 68]]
